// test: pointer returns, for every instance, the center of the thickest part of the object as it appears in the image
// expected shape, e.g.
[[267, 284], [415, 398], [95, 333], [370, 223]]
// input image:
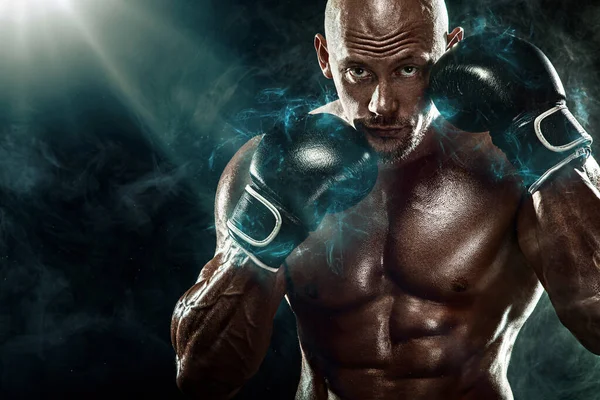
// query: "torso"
[[419, 291]]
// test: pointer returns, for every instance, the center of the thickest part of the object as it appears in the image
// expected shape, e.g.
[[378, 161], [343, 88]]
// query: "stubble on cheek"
[[391, 149]]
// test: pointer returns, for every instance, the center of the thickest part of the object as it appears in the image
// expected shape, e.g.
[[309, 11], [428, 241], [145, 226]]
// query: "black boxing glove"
[[318, 165], [507, 86]]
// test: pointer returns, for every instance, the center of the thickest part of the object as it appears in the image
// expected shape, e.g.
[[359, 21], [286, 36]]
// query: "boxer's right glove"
[[318, 165]]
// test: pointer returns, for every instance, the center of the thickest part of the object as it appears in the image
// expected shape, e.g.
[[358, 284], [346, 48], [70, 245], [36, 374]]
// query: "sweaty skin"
[[423, 292], [419, 291]]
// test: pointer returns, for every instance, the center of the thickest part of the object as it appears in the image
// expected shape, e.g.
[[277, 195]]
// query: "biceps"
[[527, 233]]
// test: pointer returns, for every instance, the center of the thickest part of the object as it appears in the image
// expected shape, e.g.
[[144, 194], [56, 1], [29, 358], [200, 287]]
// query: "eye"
[[357, 73], [409, 70]]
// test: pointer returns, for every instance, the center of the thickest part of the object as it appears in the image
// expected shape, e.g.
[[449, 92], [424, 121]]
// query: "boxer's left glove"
[[299, 173], [507, 86]]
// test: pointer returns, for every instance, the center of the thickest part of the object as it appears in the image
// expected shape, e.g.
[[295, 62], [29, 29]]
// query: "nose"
[[383, 101]]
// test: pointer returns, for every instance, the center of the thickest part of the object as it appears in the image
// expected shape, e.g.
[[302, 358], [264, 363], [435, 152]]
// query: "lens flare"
[[27, 11]]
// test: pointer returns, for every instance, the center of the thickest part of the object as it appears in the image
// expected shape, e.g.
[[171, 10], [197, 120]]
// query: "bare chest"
[[433, 231]]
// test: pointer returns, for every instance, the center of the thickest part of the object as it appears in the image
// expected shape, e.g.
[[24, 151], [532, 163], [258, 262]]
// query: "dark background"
[[116, 120]]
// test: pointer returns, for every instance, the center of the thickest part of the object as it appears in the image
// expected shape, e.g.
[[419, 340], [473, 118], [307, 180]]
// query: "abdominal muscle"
[[354, 356]]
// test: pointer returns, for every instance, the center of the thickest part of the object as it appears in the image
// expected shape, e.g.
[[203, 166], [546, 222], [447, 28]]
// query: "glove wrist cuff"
[[581, 153], [263, 229]]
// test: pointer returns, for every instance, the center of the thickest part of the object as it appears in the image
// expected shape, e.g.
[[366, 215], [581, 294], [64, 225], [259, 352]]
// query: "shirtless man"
[[419, 287]]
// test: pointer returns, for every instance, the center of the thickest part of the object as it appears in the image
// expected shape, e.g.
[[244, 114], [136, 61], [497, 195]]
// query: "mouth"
[[386, 132]]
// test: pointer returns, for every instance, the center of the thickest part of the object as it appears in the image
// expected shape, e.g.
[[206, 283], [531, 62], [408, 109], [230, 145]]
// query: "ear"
[[454, 37], [323, 55]]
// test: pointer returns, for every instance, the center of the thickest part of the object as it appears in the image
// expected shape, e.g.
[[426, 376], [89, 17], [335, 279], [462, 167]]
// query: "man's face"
[[379, 60]]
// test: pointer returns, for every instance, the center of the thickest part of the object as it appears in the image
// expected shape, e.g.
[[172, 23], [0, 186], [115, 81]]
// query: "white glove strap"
[[581, 144], [258, 242], [585, 137]]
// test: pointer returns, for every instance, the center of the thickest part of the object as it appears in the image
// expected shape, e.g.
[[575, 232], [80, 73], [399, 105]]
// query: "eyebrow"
[[358, 59]]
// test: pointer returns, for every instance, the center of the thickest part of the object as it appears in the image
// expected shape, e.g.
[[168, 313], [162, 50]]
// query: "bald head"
[[379, 54], [383, 18]]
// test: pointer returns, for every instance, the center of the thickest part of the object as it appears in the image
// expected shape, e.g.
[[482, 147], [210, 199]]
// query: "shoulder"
[[335, 108], [233, 180]]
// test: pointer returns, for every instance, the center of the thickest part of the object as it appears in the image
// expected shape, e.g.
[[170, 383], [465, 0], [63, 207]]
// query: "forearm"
[[567, 235], [222, 326]]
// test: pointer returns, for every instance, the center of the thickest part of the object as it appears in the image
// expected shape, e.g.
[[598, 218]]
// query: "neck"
[[429, 145]]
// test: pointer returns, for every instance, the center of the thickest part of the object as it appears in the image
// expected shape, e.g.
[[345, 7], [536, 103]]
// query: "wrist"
[[566, 182]]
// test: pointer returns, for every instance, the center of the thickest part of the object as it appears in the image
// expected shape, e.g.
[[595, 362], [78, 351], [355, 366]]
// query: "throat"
[[426, 145]]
